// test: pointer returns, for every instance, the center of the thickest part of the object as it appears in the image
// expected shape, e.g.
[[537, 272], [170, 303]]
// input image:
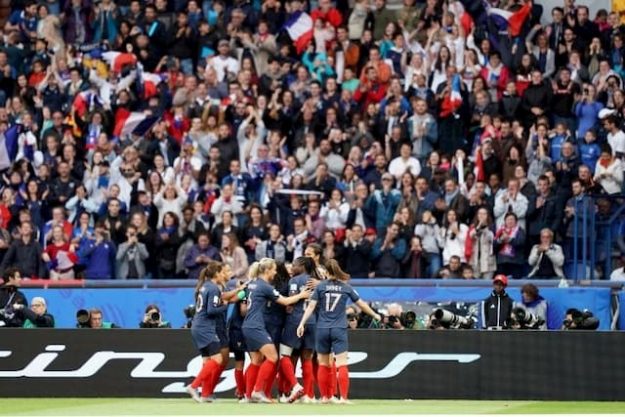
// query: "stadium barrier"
[[516, 365], [126, 306]]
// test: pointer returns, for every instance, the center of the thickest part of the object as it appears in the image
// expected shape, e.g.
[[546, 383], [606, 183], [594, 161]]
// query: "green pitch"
[[185, 407]]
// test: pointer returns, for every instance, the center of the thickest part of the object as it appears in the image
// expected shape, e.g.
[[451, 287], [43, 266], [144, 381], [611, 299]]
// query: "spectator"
[[24, 254], [609, 172], [166, 246], [404, 163], [233, 255], [452, 238], [479, 246], [100, 255], [497, 308], [131, 256], [388, 252], [383, 203], [534, 304], [547, 258], [200, 255], [226, 202], [509, 246], [357, 252], [430, 234], [274, 247], [35, 316], [511, 201], [60, 255], [544, 210]]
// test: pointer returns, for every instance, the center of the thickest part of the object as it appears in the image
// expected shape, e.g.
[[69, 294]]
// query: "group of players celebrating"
[[279, 316]]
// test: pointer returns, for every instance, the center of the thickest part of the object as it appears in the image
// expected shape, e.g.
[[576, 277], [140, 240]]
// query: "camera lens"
[[82, 316], [155, 316]]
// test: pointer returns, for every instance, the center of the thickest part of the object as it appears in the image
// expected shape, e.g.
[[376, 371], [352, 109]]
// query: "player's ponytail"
[[252, 272], [335, 272]]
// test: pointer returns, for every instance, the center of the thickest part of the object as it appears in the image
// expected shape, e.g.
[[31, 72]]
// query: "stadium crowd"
[[450, 139]]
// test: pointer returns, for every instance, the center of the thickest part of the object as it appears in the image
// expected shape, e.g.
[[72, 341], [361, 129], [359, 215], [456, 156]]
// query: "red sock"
[[288, 373], [265, 373], [215, 380], [251, 375], [271, 380], [308, 375], [323, 379], [207, 368], [208, 384], [333, 380], [343, 381], [239, 377]]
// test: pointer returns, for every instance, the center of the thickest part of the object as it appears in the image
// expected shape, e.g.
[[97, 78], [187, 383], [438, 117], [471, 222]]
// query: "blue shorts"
[[211, 349], [331, 341], [290, 339], [256, 338], [202, 338], [222, 334], [237, 343], [275, 331]]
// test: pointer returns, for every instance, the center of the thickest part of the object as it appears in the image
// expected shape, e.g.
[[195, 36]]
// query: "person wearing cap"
[[497, 308], [36, 315], [10, 296], [223, 63], [384, 203]]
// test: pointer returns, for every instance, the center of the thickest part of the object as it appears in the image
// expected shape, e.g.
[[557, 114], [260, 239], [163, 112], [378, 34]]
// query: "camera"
[[580, 320], [523, 319], [448, 320], [409, 319], [82, 319], [189, 312], [155, 316]]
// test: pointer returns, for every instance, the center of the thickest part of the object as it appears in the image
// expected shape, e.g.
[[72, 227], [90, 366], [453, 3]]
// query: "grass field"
[[184, 407]]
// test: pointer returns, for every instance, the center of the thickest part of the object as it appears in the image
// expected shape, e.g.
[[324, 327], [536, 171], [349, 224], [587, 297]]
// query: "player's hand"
[[305, 293], [300, 330]]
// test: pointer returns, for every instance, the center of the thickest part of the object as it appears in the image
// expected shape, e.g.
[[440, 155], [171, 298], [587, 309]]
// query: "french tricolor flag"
[[453, 101], [135, 123], [117, 60], [300, 29], [510, 21], [150, 84]]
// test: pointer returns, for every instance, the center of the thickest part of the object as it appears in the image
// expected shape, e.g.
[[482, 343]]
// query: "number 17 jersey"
[[332, 297]]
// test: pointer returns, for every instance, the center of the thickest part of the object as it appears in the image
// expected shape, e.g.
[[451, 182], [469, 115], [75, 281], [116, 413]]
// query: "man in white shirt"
[[616, 137], [404, 162], [511, 201], [224, 63], [619, 273]]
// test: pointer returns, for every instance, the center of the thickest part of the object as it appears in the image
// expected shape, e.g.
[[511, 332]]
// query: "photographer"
[[92, 319], [36, 316], [534, 305], [546, 258], [153, 319], [497, 308], [580, 320], [10, 296]]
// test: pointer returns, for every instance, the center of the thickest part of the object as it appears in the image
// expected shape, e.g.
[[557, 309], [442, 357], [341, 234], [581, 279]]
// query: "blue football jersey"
[[332, 297]]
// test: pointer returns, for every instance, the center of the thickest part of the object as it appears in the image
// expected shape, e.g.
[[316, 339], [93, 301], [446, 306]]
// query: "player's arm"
[[309, 311], [287, 301], [367, 310], [233, 296]]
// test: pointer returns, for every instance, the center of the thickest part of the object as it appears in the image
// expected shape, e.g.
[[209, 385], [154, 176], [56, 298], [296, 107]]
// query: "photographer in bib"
[[153, 319]]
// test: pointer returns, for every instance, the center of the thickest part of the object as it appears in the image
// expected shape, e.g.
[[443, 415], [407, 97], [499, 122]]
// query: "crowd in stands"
[[427, 139]]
